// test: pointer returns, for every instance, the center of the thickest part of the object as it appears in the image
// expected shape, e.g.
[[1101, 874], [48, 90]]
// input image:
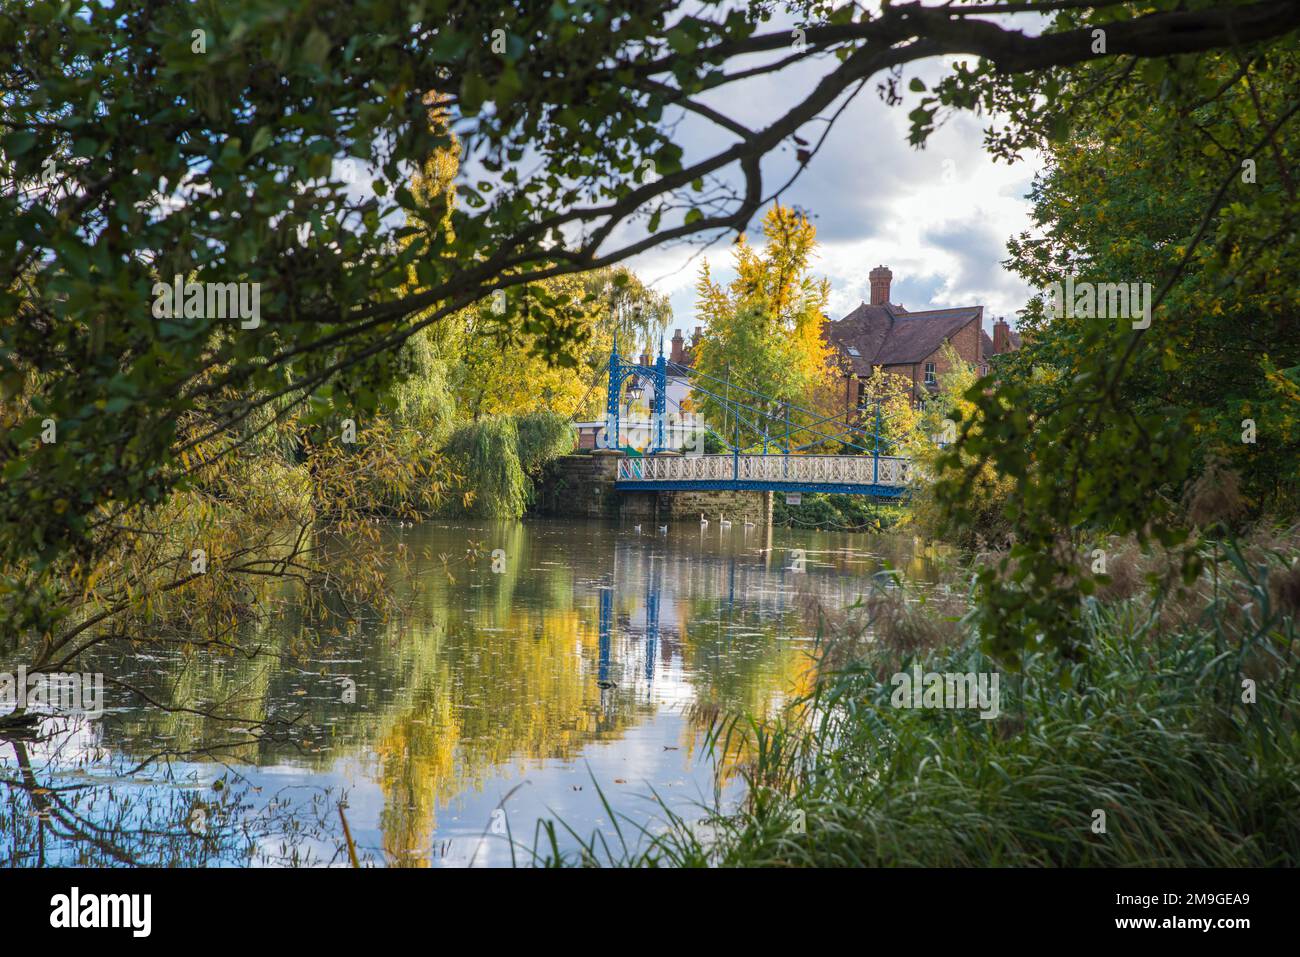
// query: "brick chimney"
[[679, 347], [880, 278], [1001, 337], [645, 358]]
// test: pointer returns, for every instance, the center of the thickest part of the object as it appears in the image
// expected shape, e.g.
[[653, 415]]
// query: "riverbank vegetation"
[[1172, 744], [1124, 488], [842, 513], [459, 425]]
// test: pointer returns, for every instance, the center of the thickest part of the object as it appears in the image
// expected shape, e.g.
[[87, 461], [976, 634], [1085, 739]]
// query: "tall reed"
[[1164, 748]]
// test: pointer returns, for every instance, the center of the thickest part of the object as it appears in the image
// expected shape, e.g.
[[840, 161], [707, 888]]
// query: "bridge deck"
[[883, 476]]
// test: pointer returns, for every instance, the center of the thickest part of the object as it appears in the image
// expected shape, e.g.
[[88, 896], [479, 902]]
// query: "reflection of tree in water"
[[444, 698], [495, 692], [49, 819], [488, 671], [481, 672]]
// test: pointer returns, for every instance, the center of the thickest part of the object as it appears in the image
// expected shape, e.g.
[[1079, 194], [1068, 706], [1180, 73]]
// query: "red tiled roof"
[[890, 335], [863, 331]]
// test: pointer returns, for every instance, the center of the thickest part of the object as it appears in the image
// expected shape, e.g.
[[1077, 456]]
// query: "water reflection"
[[496, 698]]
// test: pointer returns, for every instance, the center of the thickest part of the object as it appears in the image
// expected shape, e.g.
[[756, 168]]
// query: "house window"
[[930, 377]]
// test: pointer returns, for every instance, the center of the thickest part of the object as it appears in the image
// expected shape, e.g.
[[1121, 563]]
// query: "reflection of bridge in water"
[[759, 589]]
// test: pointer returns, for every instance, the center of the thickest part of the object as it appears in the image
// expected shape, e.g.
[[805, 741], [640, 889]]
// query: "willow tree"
[[540, 347], [497, 459]]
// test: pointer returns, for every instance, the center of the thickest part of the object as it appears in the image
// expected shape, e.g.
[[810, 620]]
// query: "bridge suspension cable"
[[756, 418]]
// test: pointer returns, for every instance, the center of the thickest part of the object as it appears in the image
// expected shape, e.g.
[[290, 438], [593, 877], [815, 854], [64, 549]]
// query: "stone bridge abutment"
[[583, 486]]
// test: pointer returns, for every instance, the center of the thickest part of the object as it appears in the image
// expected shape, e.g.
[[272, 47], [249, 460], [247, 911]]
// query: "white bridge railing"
[[810, 469]]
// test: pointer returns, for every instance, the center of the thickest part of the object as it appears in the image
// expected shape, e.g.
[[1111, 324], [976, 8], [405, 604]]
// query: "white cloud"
[[938, 217]]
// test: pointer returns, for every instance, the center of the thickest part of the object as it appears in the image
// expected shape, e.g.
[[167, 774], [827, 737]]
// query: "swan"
[[704, 522], [637, 529], [722, 522], [663, 529]]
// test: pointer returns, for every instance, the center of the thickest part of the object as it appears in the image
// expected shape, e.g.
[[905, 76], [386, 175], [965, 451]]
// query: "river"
[[577, 674]]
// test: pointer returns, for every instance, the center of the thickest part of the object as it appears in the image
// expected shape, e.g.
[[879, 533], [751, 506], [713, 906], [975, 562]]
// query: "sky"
[[938, 217]]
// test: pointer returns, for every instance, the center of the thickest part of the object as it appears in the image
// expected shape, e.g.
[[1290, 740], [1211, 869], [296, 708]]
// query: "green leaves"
[[473, 92], [19, 143], [922, 121], [261, 140], [315, 47], [681, 41], [1102, 427]]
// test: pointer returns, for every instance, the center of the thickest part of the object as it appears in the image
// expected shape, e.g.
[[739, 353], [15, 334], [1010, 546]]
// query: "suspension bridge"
[[772, 445]]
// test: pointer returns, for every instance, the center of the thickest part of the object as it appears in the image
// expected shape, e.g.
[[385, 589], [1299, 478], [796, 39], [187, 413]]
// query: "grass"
[[1152, 730], [851, 513]]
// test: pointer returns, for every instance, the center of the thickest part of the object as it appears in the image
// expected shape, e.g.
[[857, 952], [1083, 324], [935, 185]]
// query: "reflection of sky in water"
[[565, 790], [589, 658]]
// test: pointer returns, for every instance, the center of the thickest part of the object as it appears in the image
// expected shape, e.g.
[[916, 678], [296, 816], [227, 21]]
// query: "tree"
[[900, 422], [151, 145], [509, 360], [490, 359], [762, 346], [1102, 419], [1227, 354], [946, 414]]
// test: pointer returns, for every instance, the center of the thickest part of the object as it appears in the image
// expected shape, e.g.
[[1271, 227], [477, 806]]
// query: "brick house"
[[910, 344]]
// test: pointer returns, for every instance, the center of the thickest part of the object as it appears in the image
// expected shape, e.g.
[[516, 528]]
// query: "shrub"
[[838, 512]]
